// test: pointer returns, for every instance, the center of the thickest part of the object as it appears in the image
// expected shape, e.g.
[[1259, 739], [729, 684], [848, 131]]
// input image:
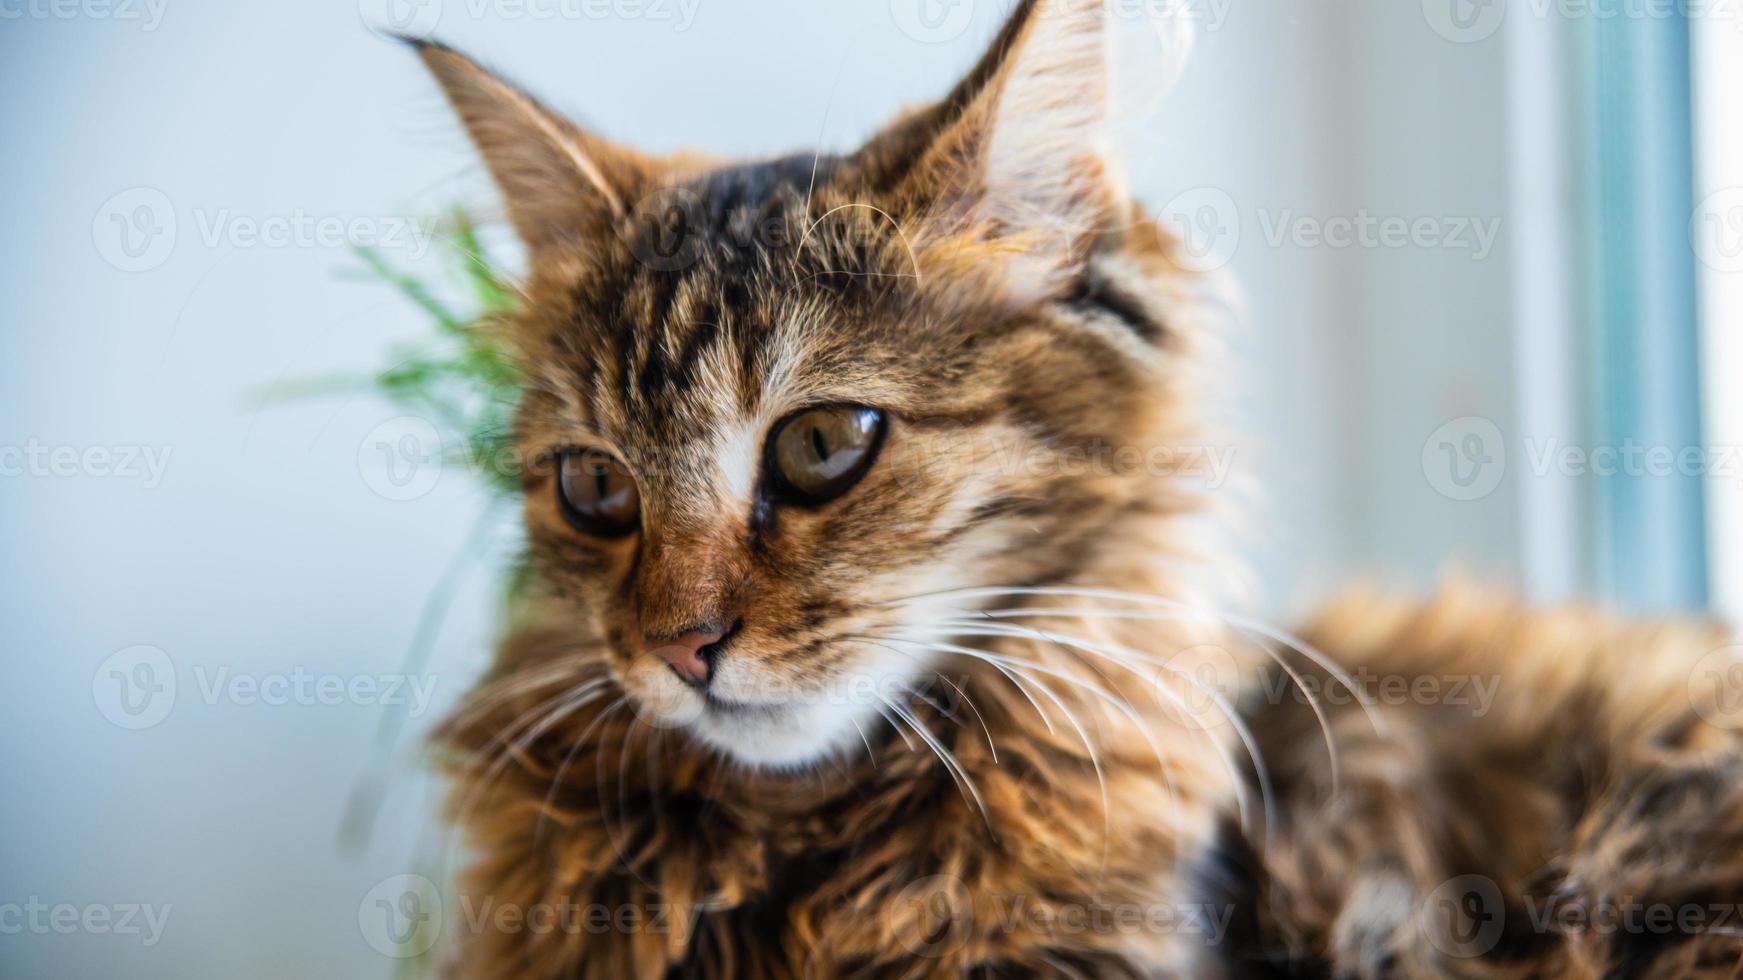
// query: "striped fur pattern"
[[962, 727], [1562, 797]]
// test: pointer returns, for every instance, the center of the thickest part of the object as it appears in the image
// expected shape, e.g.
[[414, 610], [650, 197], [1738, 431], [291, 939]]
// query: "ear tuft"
[[1047, 144], [559, 182], [1020, 149]]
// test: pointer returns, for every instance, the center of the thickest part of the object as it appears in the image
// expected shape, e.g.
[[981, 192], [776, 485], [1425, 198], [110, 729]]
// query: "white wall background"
[[264, 551]]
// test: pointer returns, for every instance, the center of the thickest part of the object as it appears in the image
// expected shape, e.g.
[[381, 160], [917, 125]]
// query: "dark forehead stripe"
[[746, 211], [753, 186], [653, 329], [736, 233], [678, 373], [1096, 293]]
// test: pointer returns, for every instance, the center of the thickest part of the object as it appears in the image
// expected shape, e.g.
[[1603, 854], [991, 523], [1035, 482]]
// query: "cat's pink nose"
[[691, 654]]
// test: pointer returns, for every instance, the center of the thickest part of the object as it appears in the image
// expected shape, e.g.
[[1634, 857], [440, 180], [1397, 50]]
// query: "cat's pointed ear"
[[560, 183], [1020, 148]]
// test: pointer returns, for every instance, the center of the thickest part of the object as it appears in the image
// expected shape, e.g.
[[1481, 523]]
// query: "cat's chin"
[[782, 737], [771, 721]]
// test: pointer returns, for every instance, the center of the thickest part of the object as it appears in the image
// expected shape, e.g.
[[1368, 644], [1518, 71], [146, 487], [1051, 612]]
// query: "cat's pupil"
[[816, 455], [598, 496]]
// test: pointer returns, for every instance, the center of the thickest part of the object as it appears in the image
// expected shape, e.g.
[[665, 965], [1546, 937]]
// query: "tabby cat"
[[869, 632]]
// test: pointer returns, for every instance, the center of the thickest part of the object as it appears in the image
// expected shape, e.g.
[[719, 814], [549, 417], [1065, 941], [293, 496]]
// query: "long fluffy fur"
[[1064, 794], [1584, 819]]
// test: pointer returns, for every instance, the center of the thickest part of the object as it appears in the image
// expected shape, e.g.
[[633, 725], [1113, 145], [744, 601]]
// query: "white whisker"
[[991, 748], [1313, 700], [1008, 667], [873, 756], [892, 723], [1244, 623], [960, 775], [1122, 656]]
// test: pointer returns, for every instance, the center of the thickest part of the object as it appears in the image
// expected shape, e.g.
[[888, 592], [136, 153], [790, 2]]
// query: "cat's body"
[[1544, 793], [1552, 803], [867, 634]]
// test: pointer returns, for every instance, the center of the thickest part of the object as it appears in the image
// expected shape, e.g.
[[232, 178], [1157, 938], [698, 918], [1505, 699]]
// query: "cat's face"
[[775, 410]]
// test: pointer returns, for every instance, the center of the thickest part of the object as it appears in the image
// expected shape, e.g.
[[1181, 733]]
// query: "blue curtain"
[[1649, 538]]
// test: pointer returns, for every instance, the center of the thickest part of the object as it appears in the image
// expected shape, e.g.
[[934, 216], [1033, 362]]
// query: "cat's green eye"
[[597, 494], [815, 455]]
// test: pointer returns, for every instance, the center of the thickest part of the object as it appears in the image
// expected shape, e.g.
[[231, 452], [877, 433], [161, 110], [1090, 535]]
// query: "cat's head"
[[773, 409]]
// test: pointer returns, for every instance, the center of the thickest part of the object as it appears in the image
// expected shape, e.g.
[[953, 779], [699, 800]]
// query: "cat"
[[870, 633]]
